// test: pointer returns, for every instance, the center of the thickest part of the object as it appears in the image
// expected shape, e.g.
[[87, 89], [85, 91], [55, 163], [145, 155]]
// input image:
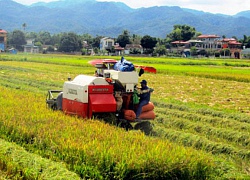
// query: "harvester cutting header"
[[113, 89]]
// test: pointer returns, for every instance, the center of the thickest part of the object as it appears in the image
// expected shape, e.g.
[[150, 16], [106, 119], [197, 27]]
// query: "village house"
[[233, 45], [3, 40], [30, 47], [132, 48], [106, 44], [118, 49], [88, 48], [211, 42]]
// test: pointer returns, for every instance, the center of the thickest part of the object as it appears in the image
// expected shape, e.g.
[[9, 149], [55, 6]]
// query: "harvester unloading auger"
[[110, 90]]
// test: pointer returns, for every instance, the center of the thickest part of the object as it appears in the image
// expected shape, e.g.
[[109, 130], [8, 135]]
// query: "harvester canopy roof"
[[102, 61]]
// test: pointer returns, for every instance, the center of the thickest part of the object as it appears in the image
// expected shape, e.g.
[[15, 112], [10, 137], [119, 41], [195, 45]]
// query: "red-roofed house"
[[180, 46], [204, 36], [3, 40], [179, 42], [230, 43], [233, 45], [213, 42], [118, 49]]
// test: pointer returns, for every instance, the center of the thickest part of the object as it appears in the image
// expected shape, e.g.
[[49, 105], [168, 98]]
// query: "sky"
[[229, 7]]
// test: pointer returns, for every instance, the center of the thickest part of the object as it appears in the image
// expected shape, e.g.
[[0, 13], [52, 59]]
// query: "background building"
[[107, 44], [3, 40], [30, 47]]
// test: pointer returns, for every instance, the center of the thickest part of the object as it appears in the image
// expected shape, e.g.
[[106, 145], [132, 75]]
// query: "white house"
[[106, 43], [30, 47]]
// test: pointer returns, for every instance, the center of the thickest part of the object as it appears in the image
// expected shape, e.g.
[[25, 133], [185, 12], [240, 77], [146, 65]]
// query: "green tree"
[[148, 43], [70, 42], [160, 50], [96, 50], [197, 34], [31, 35], [193, 51], [96, 42], [161, 41], [136, 39], [175, 35], [24, 25], [40, 46], [50, 49], [202, 52], [44, 37], [245, 41], [181, 32], [16, 39], [123, 39], [235, 38], [88, 38], [56, 39]]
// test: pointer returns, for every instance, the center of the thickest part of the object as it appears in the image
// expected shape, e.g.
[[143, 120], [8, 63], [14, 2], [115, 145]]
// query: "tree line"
[[72, 42]]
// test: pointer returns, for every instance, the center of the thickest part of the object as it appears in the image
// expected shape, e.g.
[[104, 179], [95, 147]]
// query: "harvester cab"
[[108, 91]]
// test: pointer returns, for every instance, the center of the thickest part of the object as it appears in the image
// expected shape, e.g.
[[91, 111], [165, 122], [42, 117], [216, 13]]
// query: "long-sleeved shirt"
[[145, 94]]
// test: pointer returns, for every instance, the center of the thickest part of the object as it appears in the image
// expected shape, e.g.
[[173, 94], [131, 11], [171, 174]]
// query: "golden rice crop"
[[92, 148], [97, 150]]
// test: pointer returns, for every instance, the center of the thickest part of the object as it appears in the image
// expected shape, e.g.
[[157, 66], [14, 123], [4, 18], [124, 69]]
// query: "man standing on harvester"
[[144, 95]]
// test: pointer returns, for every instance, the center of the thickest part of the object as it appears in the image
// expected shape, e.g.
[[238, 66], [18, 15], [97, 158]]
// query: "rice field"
[[201, 130]]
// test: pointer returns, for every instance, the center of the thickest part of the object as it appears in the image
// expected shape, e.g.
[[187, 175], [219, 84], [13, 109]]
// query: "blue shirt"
[[145, 96]]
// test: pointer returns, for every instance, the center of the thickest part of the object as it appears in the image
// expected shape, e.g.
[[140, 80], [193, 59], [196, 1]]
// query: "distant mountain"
[[62, 3], [243, 14], [111, 18]]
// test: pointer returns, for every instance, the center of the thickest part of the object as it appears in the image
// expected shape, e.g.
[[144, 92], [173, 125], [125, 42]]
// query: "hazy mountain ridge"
[[111, 18]]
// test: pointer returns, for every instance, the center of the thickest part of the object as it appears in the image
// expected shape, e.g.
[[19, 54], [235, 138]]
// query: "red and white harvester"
[[108, 91]]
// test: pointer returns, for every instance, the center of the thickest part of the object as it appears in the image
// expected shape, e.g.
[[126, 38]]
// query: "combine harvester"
[[111, 90]]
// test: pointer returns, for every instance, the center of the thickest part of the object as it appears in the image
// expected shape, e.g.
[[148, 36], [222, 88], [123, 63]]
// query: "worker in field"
[[144, 96]]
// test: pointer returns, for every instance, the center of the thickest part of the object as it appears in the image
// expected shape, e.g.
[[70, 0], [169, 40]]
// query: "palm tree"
[[24, 26]]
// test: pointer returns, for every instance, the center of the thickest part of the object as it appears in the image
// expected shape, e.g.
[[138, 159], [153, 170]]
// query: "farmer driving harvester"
[[144, 95]]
